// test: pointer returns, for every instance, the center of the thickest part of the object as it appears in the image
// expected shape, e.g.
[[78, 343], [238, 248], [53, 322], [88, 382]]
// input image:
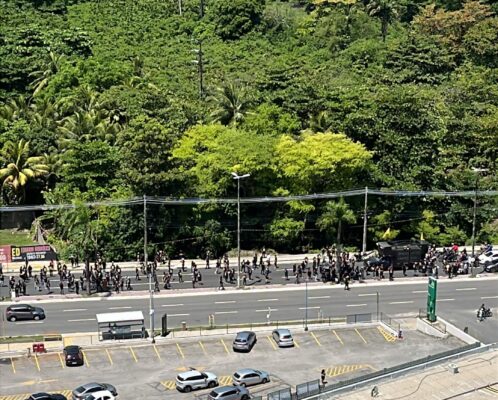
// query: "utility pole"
[[151, 298], [365, 209], [200, 67], [306, 306], [201, 9], [238, 178], [474, 258]]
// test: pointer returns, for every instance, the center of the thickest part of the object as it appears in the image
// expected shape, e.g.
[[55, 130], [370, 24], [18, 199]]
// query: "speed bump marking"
[[344, 369], [225, 380], [169, 385], [23, 396]]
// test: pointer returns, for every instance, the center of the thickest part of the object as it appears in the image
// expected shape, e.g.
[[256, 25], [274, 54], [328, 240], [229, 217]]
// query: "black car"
[[46, 396], [73, 355], [493, 267], [374, 262], [24, 311]]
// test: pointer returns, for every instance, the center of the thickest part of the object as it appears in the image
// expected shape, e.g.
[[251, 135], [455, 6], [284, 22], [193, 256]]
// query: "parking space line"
[[271, 342], [316, 339], [296, 343], [133, 353], [13, 366], [225, 346], [386, 335], [180, 350], [338, 337], [85, 358], [157, 352], [37, 363], [360, 335], [109, 356], [203, 348], [60, 359]]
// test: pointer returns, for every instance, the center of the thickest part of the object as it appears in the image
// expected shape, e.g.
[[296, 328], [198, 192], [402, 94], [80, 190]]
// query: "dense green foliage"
[[309, 96]]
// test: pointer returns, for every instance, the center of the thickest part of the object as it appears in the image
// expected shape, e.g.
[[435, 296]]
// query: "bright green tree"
[[334, 216], [386, 11]]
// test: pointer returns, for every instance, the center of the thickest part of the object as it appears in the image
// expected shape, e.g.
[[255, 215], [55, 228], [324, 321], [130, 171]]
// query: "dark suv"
[[24, 311], [73, 355]]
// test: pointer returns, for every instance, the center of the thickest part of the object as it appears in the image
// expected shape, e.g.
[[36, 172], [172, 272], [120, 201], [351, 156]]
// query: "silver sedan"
[[248, 377], [283, 338]]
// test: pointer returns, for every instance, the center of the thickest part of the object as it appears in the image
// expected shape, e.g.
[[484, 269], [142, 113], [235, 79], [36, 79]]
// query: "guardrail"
[[313, 388]]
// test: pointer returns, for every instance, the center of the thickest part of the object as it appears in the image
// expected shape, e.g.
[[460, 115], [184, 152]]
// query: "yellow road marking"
[[272, 342], [60, 359], [13, 366], [109, 356], [343, 369], [296, 343], [157, 352], [169, 385], [37, 362], [85, 358], [133, 354], [23, 396], [225, 346], [360, 335], [203, 348], [338, 337], [386, 335], [180, 351], [225, 380], [316, 339]]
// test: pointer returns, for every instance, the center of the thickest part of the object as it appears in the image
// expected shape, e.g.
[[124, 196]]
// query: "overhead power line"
[[249, 200]]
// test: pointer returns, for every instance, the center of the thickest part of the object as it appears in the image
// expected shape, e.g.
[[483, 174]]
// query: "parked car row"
[[246, 340], [89, 391]]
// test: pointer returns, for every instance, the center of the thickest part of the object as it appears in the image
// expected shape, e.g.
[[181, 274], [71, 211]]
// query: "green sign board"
[[431, 299]]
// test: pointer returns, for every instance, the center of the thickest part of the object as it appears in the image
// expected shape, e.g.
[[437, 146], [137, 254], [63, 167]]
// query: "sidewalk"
[[477, 379], [203, 291]]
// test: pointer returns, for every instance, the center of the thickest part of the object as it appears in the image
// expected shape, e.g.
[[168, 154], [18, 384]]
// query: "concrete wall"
[[426, 327], [457, 332]]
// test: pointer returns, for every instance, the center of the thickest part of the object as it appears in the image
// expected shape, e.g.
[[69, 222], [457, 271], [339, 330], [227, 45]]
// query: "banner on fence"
[[42, 252]]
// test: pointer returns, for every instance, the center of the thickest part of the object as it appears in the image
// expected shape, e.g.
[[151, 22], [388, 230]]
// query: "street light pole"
[[151, 298], [474, 260], [306, 306], [238, 178], [365, 209]]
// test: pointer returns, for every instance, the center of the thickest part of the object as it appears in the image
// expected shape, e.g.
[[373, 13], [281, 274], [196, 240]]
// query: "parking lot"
[[149, 371]]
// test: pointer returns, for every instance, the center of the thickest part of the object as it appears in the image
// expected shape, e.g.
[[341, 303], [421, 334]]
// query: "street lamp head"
[[235, 176], [478, 170], [245, 176]]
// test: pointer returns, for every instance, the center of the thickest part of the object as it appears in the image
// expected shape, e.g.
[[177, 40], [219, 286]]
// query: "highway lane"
[[456, 298]]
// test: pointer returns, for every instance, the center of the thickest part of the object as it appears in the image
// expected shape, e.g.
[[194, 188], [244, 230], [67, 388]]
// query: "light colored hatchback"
[[193, 379], [244, 341], [283, 338], [229, 393], [248, 377]]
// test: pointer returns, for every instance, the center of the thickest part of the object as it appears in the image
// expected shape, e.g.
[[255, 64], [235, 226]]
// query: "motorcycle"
[[482, 314]]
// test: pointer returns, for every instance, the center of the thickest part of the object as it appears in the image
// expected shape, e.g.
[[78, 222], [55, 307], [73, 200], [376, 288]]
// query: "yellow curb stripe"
[[338, 337], [360, 335], [180, 350], [109, 356], [316, 339], [225, 346], [133, 354], [271, 342], [157, 352], [60, 359]]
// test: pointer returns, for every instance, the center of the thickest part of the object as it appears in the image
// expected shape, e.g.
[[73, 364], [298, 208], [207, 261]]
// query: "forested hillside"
[[112, 99]]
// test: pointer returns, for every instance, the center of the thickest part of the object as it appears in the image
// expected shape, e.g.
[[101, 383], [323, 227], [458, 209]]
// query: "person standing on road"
[[77, 287], [180, 276], [286, 274], [221, 285], [61, 287], [346, 282], [322, 377], [137, 274]]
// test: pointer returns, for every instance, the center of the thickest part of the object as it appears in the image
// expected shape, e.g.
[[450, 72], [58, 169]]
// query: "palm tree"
[[15, 109], [386, 11], [43, 75], [19, 169], [336, 213], [231, 104]]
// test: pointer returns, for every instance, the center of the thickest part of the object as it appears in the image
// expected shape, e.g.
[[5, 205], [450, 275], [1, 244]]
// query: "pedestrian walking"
[[180, 276], [286, 274], [77, 287], [137, 274], [221, 285], [322, 377], [346, 282], [61, 287]]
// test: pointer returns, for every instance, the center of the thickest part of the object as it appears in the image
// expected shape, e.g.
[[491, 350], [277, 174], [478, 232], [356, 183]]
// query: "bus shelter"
[[121, 325]]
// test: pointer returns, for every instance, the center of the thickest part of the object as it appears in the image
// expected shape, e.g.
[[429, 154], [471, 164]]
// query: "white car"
[[102, 395], [490, 257], [193, 379]]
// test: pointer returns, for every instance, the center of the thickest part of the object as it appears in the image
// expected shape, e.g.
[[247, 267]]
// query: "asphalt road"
[[457, 301]]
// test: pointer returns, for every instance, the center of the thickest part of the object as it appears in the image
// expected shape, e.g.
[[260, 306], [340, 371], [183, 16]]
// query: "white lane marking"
[[268, 300], [178, 315], [226, 312], [76, 309], [401, 302], [419, 291], [367, 294], [309, 308], [445, 299], [81, 320], [225, 302], [319, 297], [171, 305], [271, 309], [29, 322], [355, 305], [467, 288], [489, 297], [119, 308]]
